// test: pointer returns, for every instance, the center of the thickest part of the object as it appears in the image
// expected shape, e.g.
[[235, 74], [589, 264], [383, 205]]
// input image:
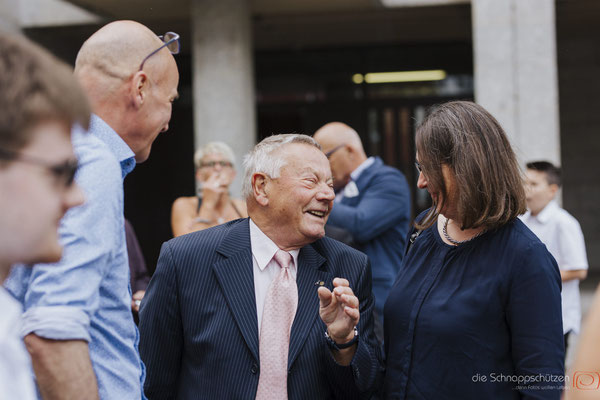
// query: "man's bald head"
[[337, 133], [117, 49], [135, 102], [344, 149]]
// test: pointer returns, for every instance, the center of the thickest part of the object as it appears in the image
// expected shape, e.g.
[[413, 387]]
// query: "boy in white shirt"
[[562, 235]]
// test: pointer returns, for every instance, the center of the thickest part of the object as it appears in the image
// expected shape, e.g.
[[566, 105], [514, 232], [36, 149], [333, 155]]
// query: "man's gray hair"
[[214, 148], [262, 157]]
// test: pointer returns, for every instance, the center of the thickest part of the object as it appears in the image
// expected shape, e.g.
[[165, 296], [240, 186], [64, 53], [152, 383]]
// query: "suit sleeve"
[[366, 369], [161, 333], [384, 204]]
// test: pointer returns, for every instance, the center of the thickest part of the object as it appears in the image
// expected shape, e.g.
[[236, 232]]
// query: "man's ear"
[[554, 188], [350, 151], [260, 182], [139, 88]]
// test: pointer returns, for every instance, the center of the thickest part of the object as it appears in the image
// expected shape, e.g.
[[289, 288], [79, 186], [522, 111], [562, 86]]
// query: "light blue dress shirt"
[[87, 295]]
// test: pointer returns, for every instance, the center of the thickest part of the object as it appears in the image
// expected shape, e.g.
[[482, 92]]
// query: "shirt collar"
[[115, 143], [263, 248], [364, 165], [547, 212]]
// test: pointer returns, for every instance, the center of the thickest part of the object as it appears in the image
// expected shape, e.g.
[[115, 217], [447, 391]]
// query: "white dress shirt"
[[16, 374], [265, 267], [561, 233]]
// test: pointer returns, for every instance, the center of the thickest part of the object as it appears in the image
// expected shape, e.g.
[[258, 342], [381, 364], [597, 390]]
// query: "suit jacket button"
[[254, 368]]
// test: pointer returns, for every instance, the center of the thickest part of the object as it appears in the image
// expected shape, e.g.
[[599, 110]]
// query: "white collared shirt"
[[354, 176], [562, 235], [16, 375], [265, 267]]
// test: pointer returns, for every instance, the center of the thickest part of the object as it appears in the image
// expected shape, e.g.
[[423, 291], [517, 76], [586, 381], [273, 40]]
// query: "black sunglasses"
[[63, 172], [171, 42]]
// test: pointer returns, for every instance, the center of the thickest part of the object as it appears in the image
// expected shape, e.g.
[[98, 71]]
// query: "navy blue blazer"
[[378, 219], [199, 329]]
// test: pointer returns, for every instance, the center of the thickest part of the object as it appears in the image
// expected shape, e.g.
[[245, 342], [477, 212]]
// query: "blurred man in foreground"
[[78, 325], [39, 101]]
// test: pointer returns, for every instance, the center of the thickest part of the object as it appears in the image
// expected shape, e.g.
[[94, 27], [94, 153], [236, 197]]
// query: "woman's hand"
[[213, 188]]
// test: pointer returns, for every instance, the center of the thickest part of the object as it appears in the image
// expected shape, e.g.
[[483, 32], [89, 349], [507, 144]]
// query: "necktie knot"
[[283, 258]]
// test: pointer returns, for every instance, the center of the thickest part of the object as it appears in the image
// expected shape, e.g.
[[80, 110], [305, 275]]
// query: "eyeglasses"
[[212, 164], [336, 148], [171, 42], [63, 172], [419, 166]]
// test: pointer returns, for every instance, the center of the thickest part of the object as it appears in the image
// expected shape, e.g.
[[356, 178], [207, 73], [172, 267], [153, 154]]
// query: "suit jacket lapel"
[[307, 278], [235, 274]]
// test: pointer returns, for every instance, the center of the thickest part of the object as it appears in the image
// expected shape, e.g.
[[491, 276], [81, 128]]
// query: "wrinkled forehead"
[[303, 157], [298, 152]]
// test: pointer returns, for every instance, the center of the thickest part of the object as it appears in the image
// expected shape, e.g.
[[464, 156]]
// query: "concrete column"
[[516, 79], [223, 79], [9, 15]]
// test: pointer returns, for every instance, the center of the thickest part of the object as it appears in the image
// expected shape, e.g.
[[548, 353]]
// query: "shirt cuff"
[[56, 323]]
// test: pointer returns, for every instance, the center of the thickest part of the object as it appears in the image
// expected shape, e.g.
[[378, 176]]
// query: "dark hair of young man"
[[553, 173]]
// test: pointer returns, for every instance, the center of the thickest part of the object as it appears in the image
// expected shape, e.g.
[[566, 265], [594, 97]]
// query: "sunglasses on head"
[[64, 172], [336, 148], [170, 41]]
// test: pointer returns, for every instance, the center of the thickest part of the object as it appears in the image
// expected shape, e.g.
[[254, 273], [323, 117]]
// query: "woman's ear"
[[260, 182]]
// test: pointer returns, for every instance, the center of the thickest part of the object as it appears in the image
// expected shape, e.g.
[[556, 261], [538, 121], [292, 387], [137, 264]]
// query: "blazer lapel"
[[307, 278], [235, 275]]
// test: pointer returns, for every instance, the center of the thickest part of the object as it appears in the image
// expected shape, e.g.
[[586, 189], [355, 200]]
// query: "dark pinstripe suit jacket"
[[199, 330]]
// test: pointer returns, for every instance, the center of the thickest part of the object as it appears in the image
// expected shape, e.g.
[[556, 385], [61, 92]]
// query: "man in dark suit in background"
[[251, 309], [372, 207]]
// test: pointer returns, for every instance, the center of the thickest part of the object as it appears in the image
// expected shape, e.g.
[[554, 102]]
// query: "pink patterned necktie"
[[278, 315]]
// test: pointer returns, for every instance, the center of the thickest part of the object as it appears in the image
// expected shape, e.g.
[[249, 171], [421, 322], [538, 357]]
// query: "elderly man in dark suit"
[[264, 307]]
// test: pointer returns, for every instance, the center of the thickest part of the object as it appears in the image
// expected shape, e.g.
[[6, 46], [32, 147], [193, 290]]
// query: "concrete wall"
[[514, 49], [41, 13], [9, 16], [578, 48]]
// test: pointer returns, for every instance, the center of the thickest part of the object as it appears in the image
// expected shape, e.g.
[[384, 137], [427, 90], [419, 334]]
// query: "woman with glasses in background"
[[475, 312], [213, 205]]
